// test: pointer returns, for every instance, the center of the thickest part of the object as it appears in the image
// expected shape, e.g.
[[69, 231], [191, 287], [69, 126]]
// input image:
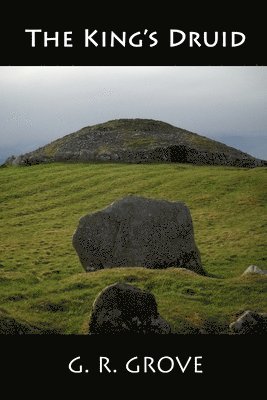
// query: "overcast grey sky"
[[40, 104]]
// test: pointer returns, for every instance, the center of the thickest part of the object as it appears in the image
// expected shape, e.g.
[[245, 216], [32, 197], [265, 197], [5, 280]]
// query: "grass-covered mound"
[[43, 284], [134, 141]]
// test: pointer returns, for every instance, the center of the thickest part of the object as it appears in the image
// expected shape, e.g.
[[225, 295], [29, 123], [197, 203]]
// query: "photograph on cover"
[[133, 200]]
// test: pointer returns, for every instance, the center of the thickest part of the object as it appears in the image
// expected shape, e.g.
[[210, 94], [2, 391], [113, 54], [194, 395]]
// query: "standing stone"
[[122, 308], [138, 232]]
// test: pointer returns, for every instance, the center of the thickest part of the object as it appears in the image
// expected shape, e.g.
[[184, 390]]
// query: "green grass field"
[[44, 285]]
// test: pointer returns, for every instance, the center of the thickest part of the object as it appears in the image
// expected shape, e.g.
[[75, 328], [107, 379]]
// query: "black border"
[[16, 47]]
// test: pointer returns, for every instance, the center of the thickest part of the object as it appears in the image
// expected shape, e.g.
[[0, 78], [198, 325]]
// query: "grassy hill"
[[43, 283], [137, 141]]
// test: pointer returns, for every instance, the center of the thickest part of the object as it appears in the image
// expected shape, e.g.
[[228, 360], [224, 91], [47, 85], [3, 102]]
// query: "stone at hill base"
[[122, 308], [253, 269], [138, 232], [250, 323]]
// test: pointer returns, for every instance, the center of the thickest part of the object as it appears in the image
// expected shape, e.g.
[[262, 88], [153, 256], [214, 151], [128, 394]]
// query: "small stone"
[[253, 269], [250, 322]]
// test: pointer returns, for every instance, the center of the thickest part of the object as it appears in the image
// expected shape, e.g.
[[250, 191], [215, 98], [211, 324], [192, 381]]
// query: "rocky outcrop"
[[122, 308], [250, 322], [12, 326], [138, 232], [137, 141]]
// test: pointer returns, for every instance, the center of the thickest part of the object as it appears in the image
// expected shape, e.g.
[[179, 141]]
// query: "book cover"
[[133, 197]]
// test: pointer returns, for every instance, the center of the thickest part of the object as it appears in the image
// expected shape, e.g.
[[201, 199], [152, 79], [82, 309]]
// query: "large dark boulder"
[[138, 232], [122, 308]]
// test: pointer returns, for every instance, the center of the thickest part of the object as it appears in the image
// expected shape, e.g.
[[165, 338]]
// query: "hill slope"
[[135, 141], [43, 283]]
